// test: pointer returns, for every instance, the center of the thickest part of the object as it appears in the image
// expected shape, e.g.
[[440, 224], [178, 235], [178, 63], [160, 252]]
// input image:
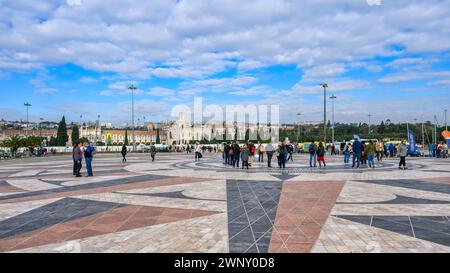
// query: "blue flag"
[[412, 141]]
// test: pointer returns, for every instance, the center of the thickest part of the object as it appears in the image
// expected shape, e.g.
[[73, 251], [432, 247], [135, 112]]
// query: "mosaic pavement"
[[178, 205]]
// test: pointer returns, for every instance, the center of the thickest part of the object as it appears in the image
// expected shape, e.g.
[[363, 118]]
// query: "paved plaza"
[[177, 205]]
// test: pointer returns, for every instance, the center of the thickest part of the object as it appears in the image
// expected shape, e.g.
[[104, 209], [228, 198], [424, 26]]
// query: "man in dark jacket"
[[357, 151], [236, 154], [78, 157], [124, 153]]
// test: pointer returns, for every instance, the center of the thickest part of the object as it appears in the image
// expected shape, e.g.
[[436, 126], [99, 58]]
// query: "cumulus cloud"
[[221, 46], [207, 37]]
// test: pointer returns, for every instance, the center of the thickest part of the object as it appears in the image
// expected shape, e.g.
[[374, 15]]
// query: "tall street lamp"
[[370, 132], [333, 97], [27, 105], [133, 88], [298, 131], [99, 127], [325, 86], [40, 128]]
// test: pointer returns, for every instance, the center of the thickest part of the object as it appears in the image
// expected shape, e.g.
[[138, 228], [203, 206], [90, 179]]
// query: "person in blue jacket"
[[78, 158], [88, 156], [357, 150]]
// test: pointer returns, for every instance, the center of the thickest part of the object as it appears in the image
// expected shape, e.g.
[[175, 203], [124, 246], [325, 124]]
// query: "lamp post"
[[325, 86], [370, 132], [423, 139], [298, 137], [445, 117], [99, 127], [133, 88], [333, 97], [27, 105], [40, 127]]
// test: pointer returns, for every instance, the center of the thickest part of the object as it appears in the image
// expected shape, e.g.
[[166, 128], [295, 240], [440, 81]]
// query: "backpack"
[[253, 149], [312, 148]]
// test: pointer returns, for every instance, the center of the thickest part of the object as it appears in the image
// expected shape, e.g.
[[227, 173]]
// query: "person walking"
[[380, 150], [226, 150], [333, 149], [282, 156], [312, 154], [88, 156], [236, 154], [269, 153], [78, 157], [357, 148], [391, 150], [73, 158], [347, 151], [290, 150], [364, 155], [321, 155], [371, 154], [251, 154], [153, 152], [231, 154], [198, 151], [445, 150], [124, 153], [244, 156], [261, 153], [402, 153]]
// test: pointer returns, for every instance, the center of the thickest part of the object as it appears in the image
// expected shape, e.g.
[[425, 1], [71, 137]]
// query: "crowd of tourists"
[[355, 153]]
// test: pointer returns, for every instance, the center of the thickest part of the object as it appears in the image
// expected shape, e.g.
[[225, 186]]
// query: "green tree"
[[52, 142], [75, 133], [31, 143], [84, 140], [126, 138], [14, 143], [62, 137]]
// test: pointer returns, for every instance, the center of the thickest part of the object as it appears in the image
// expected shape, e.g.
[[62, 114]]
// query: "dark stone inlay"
[[400, 199], [175, 194], [60, 211], [434, 229], [411, 184], [399, 224], [3, 183], [251, 214], [102, 184], [365, 220], [56, 182], [284, 176]]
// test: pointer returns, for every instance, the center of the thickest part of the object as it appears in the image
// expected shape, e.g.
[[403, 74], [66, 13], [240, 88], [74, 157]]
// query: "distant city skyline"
[[77, 58]]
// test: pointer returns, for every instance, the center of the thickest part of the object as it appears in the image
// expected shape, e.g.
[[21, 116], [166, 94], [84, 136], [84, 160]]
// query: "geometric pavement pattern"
[[177, 205]]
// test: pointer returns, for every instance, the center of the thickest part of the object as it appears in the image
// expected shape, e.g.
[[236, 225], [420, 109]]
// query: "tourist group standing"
[[77, 155]]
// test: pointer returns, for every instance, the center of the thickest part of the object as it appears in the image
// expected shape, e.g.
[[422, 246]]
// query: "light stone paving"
[[178, 205]]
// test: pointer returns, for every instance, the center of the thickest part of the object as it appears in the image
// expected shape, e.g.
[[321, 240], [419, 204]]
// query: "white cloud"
[[324, 71], [135, 37], [88, 80], [413, 76], [161, 92]]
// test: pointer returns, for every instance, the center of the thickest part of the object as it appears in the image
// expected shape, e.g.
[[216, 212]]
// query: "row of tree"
[[16, 142]]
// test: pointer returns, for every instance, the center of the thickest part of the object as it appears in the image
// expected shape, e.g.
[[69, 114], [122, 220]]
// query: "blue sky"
[[76, 57]]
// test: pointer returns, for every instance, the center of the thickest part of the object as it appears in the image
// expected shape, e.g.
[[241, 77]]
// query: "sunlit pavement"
[[178, 205]]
